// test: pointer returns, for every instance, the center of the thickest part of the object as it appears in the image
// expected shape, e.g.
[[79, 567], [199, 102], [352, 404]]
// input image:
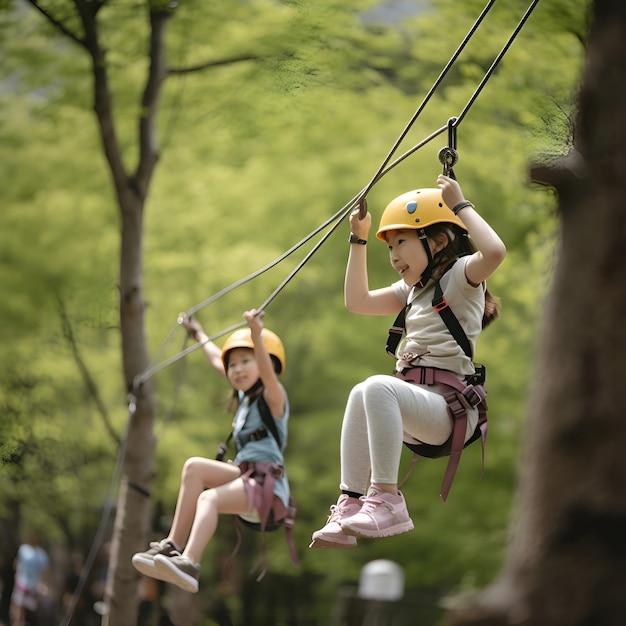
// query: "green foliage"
[[255, 155]]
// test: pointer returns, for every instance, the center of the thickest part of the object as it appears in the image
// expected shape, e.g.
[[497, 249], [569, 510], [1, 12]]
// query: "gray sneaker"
[[179, 571], [144, 561]]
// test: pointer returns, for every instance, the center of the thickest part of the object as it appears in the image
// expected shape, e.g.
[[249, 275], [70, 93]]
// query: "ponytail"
[[492, 308]]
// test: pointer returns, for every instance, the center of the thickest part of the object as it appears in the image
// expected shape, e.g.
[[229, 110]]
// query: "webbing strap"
[[266, 474], [270, 508], [258, 434], [460, 398], [268, 420], [440, 304], [396, 331], [458, 412]]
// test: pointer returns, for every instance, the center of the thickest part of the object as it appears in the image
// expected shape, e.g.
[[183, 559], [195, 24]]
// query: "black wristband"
[[461, 205], [355, 239]]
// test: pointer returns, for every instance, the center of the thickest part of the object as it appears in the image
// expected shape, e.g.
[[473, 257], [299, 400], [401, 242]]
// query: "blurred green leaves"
[[255, 154]]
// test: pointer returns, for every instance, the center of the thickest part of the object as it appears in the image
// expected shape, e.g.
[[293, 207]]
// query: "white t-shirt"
[[427, 336]]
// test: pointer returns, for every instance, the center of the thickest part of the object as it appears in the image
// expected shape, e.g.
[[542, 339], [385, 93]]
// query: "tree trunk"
[[138, 469], [138, 460], [566, 565]]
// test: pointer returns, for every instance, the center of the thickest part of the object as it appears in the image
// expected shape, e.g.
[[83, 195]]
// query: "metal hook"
[[452, 133], [448, 156]]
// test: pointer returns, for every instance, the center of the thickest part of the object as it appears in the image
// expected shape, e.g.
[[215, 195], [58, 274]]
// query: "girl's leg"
[[393, 407], [198, 474], [355, 450], [230, 498], [184, 570], [355, 473]]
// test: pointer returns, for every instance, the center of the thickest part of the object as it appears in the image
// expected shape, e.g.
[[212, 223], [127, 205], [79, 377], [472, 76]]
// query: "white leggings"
[[381, 412]]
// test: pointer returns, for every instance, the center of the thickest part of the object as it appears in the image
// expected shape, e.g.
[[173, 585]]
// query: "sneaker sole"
[[327, 544], [397, 529], [175, 575], [147, 567]]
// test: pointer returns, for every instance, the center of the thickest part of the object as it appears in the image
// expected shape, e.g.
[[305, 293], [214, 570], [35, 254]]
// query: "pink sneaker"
[[382, 515], [331, 536]]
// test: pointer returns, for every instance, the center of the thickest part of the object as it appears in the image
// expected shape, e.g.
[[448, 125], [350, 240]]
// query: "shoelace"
[[335, 513], [172, 550], [371, 502]]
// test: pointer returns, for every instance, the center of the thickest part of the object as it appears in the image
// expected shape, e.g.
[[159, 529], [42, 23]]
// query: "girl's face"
[[407, 254], [243, 371]]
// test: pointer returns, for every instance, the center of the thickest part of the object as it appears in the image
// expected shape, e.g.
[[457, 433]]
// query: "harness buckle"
[[455, 404], [276, 470], [257, 435], [440, 304], [474, 394], [478, 377]]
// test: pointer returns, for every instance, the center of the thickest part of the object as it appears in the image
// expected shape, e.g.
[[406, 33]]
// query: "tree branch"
[[566, 175], [157, 72], [209, 64], [90, 384], [102, 97], [58, 24]]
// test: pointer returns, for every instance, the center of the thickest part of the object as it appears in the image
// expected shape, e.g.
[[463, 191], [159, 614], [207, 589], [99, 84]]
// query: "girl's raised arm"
[[274, 392], [490, 249], [357, 295], [196, 332]]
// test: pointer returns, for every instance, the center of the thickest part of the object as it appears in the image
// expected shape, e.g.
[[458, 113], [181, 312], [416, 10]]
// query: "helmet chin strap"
[[427, 273], [252, 391]]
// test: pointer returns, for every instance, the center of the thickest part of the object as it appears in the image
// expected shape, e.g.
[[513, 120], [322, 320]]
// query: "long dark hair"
[[459, 244]]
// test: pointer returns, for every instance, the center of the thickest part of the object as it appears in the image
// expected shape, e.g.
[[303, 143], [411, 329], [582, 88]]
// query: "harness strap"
[[440, 304], [396, 331], [289, 518], [265, 502], [257, 435], [268, 420], [459, 398]]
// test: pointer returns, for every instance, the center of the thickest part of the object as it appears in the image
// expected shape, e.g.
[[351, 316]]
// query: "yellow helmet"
[[416, 210], [242, 338]]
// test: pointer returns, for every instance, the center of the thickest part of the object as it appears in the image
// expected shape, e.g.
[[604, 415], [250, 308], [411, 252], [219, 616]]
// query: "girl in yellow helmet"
[[251, 360], [426, 231]]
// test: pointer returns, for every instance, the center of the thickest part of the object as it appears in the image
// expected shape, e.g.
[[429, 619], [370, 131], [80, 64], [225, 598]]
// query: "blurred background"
[[291, 111]]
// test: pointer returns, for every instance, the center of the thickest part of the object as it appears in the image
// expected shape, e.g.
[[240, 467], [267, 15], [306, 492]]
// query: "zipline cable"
[[496, 61], [148, 373], [351, 207], [430, 93], [152, 369], [379, 173], [453, 123], [267, 267], [342, 213], [339, 216], [347, 208]]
